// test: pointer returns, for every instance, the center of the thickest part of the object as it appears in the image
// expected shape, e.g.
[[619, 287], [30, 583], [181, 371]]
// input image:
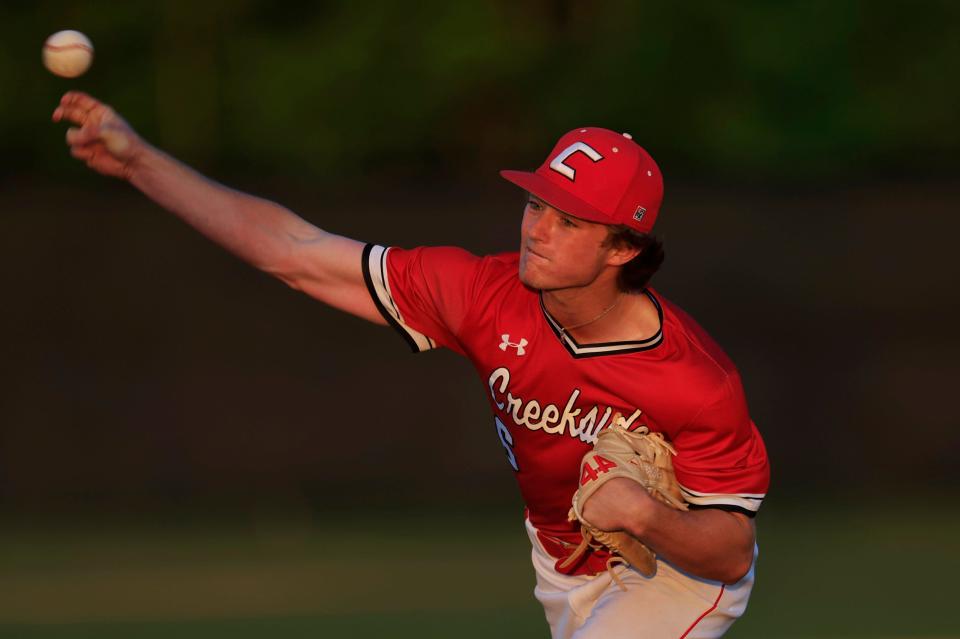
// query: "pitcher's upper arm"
[[328, 268]]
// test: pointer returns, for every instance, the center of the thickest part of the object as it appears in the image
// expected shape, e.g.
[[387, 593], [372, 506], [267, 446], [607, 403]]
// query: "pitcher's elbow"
[[739, 567], [283, 272]]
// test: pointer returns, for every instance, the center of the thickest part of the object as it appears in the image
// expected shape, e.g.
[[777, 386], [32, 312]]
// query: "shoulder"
[[697, 372], [502, 267], [447, 268], [432, 293], [685, 337]]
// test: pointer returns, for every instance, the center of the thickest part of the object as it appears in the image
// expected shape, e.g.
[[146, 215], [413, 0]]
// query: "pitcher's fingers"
[[75, 106], [74, 114], [86, 135], [80, 100]]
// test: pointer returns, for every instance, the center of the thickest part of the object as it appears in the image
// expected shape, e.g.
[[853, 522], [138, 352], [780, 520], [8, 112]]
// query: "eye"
[[535, 205], [566, 221]]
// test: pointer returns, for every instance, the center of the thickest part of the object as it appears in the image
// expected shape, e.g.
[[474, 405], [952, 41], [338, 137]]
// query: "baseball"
[[67, 54]]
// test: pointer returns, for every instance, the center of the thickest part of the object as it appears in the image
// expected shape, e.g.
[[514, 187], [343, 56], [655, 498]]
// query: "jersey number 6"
[[507, 440]]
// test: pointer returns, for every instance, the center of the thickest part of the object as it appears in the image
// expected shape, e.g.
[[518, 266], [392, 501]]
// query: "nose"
[[539, 226]]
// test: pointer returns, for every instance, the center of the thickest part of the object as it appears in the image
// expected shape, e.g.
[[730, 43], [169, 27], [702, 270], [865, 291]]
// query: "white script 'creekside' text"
[[535, 416]]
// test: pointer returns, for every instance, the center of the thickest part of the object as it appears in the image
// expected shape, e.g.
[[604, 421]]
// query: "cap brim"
[[555, 196]]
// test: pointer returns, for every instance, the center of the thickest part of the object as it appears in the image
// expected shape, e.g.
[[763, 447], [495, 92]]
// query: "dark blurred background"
[[810, 152]]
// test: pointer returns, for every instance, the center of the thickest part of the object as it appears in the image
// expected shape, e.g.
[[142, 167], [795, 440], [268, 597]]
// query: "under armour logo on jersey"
[[517, 345], [567, 171]]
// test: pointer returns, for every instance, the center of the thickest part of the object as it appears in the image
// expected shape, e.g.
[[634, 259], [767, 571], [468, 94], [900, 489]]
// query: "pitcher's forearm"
[[256, 230], [710, 543], [270, 237]]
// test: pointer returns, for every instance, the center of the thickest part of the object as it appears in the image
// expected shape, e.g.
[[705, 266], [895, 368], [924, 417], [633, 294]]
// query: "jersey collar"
[[578, 350]]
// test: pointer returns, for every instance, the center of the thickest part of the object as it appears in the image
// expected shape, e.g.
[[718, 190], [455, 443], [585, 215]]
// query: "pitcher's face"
[[559, 251]]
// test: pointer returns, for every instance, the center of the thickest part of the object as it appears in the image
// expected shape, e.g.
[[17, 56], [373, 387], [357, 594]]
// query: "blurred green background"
[[187, 448]]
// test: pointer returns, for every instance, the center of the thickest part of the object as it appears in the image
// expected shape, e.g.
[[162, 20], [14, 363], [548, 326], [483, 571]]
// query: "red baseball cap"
[[598, 175]]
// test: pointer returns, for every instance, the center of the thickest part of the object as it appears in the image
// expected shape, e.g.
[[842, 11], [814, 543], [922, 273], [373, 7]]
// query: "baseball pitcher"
[[624, 423]]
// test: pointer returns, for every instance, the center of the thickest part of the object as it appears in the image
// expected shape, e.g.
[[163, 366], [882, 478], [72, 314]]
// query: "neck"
[[613, 317], [581, 307]]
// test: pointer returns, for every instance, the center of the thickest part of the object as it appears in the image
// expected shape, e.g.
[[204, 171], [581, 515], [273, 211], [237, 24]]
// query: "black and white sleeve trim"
[[375, 275], [746, 503]]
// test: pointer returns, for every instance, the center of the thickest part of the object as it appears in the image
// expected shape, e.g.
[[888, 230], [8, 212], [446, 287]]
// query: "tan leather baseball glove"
[[639, 455]]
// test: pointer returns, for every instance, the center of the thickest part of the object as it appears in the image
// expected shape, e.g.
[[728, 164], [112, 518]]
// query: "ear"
[[620, 255]]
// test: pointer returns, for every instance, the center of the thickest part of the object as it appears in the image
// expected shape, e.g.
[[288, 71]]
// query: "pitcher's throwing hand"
[[103, 139]]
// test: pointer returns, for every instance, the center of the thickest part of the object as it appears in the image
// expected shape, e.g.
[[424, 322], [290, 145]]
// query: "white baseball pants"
[[669, 605]]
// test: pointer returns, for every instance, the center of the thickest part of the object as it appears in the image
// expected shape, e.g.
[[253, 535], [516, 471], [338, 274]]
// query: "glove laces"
[[602, 541]]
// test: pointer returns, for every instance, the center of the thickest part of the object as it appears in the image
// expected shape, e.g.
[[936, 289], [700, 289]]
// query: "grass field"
[[839, 572]]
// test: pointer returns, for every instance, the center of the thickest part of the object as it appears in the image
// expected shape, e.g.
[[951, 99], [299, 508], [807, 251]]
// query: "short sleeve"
[[722, 461], [424, 293]]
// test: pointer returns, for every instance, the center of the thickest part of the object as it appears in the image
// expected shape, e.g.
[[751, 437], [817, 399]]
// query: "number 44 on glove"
[[639, 455]]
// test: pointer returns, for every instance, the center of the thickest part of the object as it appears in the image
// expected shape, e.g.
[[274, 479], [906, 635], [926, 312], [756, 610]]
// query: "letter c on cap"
[[568, 171]]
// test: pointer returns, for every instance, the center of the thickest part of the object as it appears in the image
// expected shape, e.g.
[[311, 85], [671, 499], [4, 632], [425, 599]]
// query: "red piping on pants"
[[708, 611]]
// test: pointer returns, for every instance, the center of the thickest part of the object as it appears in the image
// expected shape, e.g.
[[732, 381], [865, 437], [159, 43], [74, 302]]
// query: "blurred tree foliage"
[[786, 89]]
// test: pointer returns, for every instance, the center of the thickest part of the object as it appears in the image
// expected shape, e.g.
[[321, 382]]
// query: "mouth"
[[530, 251]]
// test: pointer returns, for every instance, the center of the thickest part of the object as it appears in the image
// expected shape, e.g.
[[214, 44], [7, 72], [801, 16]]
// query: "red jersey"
[[551, 396]]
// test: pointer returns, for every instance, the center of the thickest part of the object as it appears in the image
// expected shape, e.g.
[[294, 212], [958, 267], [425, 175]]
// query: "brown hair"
[[635, 274]]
